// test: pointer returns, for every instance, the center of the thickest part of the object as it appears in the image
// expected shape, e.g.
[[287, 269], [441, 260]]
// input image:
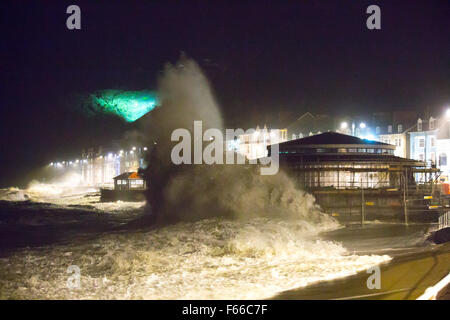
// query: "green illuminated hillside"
[[130, 105]]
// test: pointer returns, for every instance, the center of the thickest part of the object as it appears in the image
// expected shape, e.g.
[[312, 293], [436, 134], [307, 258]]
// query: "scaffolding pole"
[[405, 201], [363, 205]]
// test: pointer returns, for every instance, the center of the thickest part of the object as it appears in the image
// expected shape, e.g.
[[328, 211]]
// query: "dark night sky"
[[271, 56]]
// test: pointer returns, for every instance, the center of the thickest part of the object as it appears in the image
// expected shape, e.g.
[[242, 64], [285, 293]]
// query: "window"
[[432, 126], [421, 142], [377, 130], [419, 125], [400, 128], [433, 141], [398, 142], [421, 157], [389, 129], [442, 159]]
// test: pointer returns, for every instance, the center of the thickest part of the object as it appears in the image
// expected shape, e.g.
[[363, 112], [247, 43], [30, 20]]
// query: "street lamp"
[[362, 125], [344, 125]]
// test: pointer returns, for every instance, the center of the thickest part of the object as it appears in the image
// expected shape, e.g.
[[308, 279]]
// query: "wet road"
[[416, 265]]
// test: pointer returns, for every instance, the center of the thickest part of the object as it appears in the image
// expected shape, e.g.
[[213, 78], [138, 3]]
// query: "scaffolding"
[[372, 182]]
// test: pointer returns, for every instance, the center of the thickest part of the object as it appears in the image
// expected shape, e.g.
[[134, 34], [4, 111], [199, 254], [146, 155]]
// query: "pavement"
[[403, 278]]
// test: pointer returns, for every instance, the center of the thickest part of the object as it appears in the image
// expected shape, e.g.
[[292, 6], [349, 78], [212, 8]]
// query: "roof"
[[331, 138], [308, 122], [129, 175]]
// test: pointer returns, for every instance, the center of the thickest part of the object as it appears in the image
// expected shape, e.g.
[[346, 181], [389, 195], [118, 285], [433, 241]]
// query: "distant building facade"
[[98, 167], [430, 142], [423, 141], [398, 136], [254, 145]]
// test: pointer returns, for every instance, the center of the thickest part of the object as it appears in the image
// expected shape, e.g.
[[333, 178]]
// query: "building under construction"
[[357, 180]]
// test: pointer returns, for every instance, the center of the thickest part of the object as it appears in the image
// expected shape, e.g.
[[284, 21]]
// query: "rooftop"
[[332, 138], [128, 175]]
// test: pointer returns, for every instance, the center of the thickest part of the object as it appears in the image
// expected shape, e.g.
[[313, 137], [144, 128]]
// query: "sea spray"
[[192, 192]]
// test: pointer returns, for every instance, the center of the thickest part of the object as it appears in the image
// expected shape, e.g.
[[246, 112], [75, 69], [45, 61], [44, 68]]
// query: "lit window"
[[389, 129], [419, 125], [377, 130], [400, 128]]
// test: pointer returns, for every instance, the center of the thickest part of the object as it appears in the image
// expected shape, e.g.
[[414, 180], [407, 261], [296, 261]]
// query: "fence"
[[444, 220]]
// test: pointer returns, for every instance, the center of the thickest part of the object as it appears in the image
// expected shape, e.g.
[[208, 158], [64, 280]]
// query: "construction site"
[[357, 180]]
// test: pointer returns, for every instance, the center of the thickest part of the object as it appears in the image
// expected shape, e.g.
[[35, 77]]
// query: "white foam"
[[209, 259]]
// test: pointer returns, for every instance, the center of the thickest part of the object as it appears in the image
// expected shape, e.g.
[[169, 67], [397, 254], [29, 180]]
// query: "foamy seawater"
[[208, 259], [65, 197]]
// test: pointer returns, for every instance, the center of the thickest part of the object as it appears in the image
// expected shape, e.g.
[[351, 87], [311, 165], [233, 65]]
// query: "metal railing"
[[444, 220]]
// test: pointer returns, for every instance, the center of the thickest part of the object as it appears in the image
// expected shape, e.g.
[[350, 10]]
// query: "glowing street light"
[[447, 114], [362, 125], [344, 125]]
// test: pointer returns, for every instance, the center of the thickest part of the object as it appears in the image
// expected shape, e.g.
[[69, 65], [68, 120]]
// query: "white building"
[[398, 137], [98, 168], [443, 154], [254, 145]]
